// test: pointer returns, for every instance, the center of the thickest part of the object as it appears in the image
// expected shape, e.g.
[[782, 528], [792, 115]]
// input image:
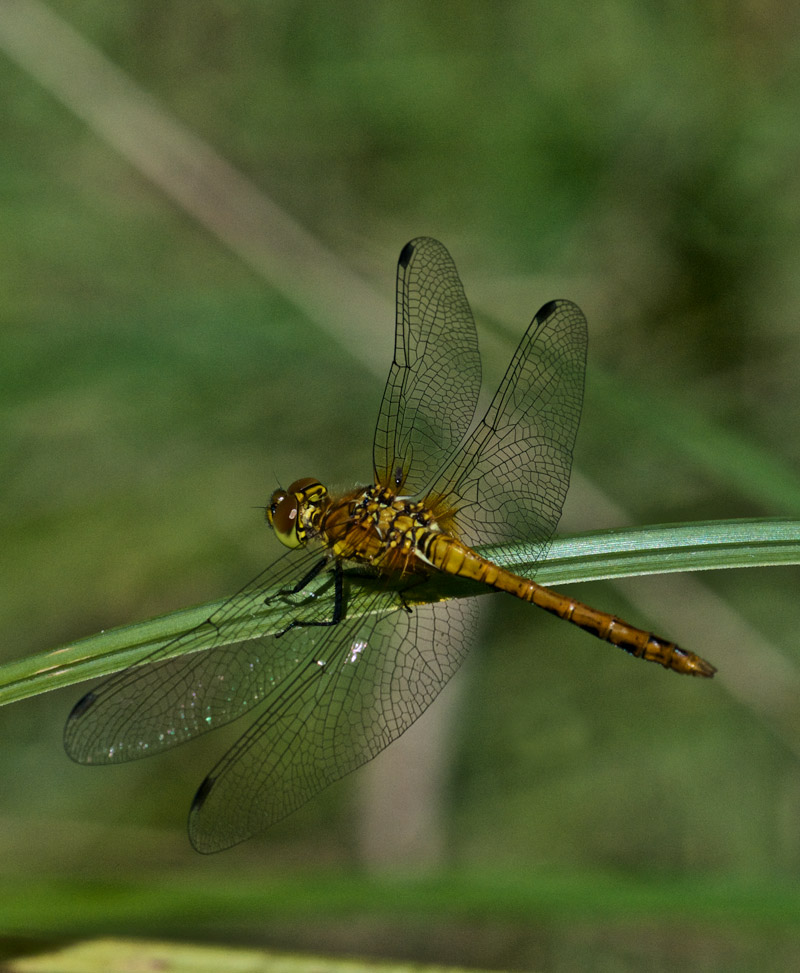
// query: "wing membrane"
[[165, 701], [334, 696], [509, 480], [347, 698], [434, 380]]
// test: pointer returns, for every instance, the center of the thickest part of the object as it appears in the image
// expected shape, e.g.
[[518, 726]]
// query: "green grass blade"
[[582, 557]]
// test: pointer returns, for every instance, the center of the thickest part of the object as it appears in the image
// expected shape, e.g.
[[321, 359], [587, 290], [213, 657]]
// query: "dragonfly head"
[[286, 506]]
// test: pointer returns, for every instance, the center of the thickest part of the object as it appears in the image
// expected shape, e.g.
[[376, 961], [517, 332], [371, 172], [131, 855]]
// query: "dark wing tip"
[[74, 745], [202, 794], [201, 839], [84, 703], [406, 254], [545, 311]]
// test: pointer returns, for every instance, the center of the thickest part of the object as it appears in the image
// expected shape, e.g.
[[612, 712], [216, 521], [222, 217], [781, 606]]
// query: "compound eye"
[[282, 516]]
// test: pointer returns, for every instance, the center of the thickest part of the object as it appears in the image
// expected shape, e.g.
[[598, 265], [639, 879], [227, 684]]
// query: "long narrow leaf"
[[582, 557]]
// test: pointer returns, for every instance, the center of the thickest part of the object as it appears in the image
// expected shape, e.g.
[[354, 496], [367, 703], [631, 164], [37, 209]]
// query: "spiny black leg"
[[338, 598], [409, 587], [338, 593], [306, 579]]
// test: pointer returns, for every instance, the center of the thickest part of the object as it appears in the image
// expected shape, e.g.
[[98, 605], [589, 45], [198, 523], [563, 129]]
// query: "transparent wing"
[[434, 380], [509, 480], [163, 701], [354, 689]]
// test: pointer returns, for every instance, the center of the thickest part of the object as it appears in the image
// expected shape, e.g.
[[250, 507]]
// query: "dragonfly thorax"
[[372, 525], [292, 513]]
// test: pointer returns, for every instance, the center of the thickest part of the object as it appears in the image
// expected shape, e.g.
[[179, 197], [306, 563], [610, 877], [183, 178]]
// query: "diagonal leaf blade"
[[581, 557]]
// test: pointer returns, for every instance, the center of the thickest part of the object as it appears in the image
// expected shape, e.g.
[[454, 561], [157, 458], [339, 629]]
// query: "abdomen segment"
[[452, 557]]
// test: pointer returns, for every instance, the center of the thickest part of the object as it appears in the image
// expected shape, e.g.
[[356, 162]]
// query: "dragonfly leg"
[[306, 579], [401, 593], [338, 597]]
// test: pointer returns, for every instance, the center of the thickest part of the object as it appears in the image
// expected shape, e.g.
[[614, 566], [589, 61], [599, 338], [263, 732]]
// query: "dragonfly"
[[356, 655]]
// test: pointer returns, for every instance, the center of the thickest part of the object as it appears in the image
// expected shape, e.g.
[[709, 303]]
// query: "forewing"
[[166, 700], [355, 688], [509, 482], [434, 380]]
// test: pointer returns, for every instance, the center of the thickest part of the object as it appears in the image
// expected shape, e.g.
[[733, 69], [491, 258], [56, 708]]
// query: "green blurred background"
[[579, 810]]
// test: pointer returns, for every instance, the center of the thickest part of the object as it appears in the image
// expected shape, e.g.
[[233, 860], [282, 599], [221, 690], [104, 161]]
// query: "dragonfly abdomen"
[[451, 556]]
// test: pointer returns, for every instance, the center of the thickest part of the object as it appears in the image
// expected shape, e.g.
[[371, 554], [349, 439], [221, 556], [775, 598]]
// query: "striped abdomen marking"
[[452, 557]]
